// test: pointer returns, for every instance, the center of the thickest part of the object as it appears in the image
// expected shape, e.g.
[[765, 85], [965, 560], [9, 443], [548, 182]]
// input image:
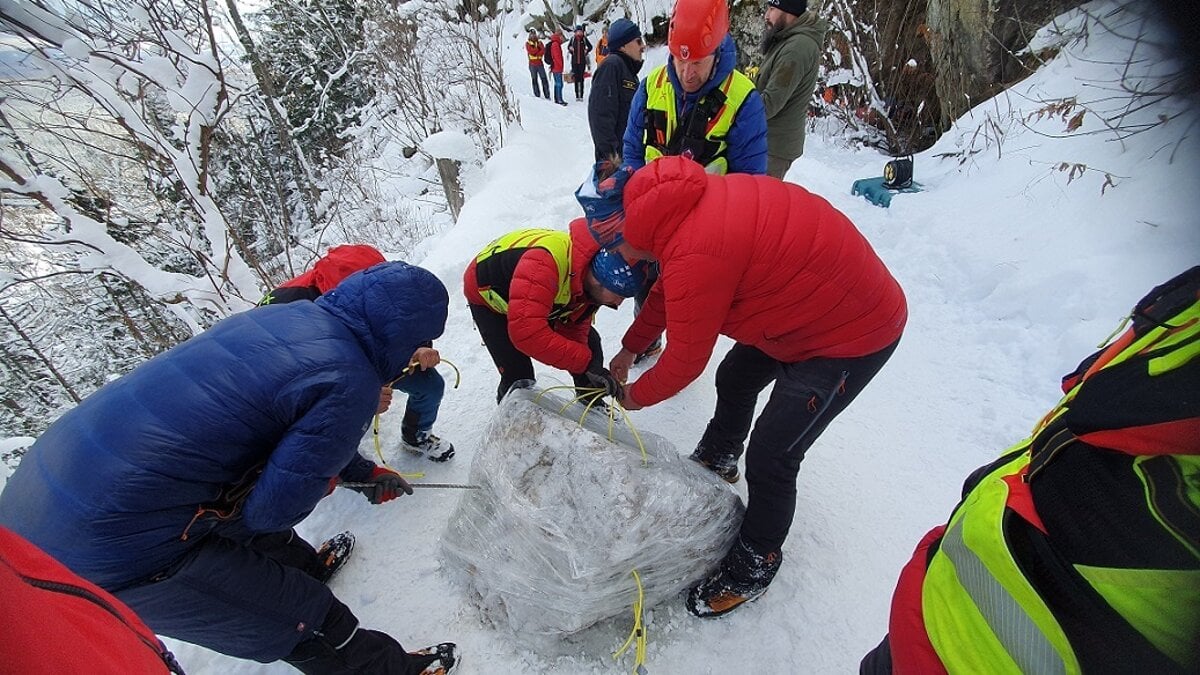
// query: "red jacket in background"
[[535, 50], [762, 261], [339, 263], [53, 621], [531, 294], [554, 54]]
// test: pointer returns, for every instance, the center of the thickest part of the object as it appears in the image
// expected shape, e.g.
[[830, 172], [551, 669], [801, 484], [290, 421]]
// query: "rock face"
[[547, 546], [974, 45]]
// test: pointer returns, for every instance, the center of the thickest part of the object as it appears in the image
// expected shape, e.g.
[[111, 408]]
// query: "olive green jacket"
[[786, 82]]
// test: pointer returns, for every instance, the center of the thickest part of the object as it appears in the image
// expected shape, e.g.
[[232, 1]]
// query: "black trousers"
[[577, 72], [640, 298], [806, 398], [512, 363], [289, 549]]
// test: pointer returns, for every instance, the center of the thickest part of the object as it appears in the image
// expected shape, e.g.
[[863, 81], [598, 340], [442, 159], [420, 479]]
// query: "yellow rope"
[[638, 633], [595, 396], [379, 453], [413, 365]]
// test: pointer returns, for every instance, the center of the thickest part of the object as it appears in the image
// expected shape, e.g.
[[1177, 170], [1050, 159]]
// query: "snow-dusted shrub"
[[547, 546]]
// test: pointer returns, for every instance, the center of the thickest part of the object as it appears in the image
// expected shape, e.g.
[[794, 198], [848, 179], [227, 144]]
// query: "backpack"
[[546, 55]]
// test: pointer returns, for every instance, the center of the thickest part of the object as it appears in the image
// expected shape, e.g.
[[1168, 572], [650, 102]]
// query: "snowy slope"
[[1012, 274]]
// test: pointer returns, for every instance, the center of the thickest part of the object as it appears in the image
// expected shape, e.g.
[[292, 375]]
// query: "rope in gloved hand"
[[638, 633]]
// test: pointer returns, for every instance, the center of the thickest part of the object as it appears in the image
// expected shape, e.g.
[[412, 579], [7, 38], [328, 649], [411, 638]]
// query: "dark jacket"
[[613, 86], [274, 399], [787, 80], [579, 47], [747, 137]]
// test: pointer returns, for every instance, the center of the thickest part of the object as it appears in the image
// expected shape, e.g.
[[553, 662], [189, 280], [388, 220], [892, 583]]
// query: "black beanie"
[[621, 33], [795, 7]]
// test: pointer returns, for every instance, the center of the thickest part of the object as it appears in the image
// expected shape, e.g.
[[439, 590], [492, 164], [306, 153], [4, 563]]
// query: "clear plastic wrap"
[[564, 515]]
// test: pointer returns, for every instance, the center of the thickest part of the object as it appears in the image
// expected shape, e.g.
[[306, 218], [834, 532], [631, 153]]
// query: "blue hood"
[[392, 308]]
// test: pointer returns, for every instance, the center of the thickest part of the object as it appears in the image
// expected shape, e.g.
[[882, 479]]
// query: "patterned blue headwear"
[[617, 275], [601, 202]]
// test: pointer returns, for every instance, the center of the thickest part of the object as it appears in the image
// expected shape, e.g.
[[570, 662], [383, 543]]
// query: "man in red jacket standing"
[[535, 50], [811, 306]]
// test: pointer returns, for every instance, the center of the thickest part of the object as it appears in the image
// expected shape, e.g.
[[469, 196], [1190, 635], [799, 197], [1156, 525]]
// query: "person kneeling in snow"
[[811, 306], [175, 487], [424, 385], [533, 293]]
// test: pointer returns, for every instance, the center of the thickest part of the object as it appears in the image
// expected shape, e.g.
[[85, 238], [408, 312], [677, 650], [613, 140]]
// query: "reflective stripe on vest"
[[997, 623], [980, 611], [557, 243], [660, 96]]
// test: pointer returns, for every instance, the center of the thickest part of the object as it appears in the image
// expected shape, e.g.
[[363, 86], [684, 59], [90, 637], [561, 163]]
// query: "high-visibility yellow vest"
[[981, 610], [719, 107], [495, 264]]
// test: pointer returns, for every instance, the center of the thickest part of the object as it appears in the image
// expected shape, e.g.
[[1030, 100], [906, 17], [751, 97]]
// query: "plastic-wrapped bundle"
[[565, 514]]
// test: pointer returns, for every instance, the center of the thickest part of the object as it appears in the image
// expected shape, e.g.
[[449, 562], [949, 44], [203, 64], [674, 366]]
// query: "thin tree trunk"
[[41, 357], [287, 144]]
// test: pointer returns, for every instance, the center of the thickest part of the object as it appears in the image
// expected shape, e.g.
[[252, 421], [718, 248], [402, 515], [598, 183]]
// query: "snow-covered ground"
[[1012, 271]]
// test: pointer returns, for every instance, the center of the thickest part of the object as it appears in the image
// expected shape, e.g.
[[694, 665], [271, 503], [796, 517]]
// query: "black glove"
[[383, 486], [598, 376]]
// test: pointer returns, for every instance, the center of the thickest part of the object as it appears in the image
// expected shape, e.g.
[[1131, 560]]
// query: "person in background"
[[613, 87], [580, 48], [537, 68], [602, 46], [176, 487], [792, 42], [553, 57], [811, 308], [533, 294], [1078, 550], [697, 105], [422, 383]]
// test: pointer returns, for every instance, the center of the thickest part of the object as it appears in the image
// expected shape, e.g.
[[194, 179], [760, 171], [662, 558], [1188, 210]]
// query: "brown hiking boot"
[[743, 577]]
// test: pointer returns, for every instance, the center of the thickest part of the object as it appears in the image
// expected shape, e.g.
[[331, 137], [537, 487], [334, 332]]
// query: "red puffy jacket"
[[764, 262], [562, 344], [554, 54], [52, 621]]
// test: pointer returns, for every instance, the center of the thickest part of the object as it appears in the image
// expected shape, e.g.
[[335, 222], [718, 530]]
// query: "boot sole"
[[727, 610]]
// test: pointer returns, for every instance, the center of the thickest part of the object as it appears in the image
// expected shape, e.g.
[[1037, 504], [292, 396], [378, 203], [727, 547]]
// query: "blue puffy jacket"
[[275, 399], [747, 136]]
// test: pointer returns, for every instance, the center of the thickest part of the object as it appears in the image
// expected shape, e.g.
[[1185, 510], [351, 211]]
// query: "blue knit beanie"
[[621, 33]]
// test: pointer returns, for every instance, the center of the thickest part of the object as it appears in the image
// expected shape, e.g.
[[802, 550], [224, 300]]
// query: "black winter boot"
[[743, 576], [721, 461], [332, 555], [436, 660]]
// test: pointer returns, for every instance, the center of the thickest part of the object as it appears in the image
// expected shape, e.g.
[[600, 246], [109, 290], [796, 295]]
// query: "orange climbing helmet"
[[697, 28]]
